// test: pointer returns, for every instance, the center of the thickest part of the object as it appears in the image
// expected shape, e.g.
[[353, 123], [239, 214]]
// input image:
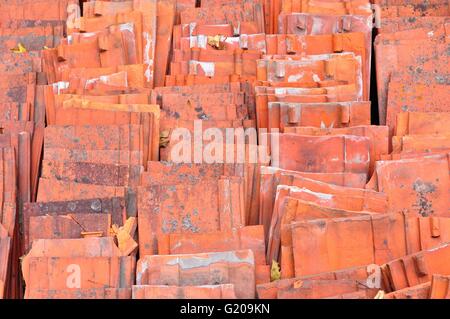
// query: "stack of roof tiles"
[[412, 73], [95, 198], [26, 28]]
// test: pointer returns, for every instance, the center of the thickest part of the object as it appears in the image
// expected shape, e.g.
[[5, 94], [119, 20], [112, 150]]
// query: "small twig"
[[77, 222]]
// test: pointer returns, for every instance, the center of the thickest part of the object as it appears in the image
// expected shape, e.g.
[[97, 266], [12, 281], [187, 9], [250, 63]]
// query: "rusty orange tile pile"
[[334, 182]]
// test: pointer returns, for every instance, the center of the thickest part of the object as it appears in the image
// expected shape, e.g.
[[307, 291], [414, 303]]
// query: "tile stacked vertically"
[[101, 131], [26, 27], [224, 149], [190, 209], [412, 63]]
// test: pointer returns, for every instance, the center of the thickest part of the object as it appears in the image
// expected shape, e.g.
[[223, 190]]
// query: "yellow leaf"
[[216, 42], [124, 236], [380, 295], [275, 273], [298, 284], [164, 138], [20, 49]]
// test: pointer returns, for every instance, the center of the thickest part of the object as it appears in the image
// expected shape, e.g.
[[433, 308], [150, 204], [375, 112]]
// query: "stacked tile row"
[[101, 131], [220, 149], [197, 207], [412, 60], [26, 28]]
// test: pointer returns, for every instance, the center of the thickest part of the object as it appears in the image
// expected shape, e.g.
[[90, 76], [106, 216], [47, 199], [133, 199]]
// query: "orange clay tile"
[[232, 267]]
